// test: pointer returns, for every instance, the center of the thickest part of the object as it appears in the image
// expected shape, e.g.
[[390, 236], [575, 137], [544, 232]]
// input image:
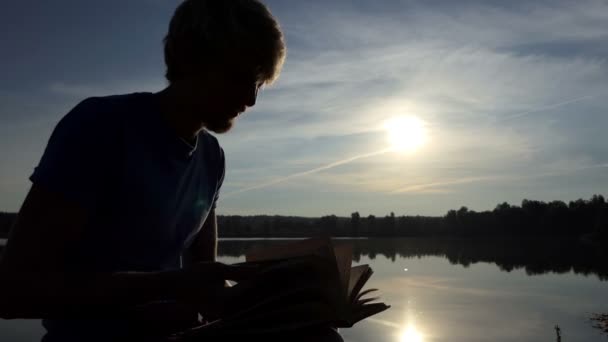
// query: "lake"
[[460, 290]]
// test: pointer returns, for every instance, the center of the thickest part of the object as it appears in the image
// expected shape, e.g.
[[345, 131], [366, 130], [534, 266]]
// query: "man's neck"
[[175, 111]]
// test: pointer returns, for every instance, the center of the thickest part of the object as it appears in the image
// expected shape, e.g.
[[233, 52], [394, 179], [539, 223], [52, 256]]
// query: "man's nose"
[[251, 96]]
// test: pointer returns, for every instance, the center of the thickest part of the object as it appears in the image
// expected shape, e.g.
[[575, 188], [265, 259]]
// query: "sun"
[[405, 133]]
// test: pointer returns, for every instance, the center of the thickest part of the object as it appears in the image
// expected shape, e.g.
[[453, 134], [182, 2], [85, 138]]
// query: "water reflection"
[[410, 330], [461, 290], [535, 256], [476, 290], [411, 334]]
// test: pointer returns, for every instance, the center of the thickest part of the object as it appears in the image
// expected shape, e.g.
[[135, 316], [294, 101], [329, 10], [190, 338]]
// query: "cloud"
[[510, 91], [112, 88], [459, 68], [546, 108], [348, 91]]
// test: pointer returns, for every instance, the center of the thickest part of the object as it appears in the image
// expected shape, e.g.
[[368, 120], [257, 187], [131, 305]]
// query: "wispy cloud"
[[117, 87], [440, 186], [426, 187], [545, 108]]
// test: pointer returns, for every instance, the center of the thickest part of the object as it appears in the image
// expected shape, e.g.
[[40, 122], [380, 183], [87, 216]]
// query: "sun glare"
[[410, 335], [405, 133]]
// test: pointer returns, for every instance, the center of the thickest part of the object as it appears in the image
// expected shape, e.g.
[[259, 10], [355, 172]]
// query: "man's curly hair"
[[202, 32]]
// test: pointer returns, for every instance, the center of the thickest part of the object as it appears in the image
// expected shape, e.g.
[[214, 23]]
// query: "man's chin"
[[220, 126]]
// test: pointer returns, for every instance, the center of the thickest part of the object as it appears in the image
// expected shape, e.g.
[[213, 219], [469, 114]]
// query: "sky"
[[511, 95]]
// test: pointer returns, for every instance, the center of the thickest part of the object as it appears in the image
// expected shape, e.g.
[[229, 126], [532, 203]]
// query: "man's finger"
[[240, 272]]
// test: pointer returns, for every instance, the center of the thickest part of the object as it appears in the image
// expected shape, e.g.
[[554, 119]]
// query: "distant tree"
[[463, 211], [503, 207], [600, 229], [329, 224], [451, 221], [355, 222], [389, 225], [597, 201], [371, 225]]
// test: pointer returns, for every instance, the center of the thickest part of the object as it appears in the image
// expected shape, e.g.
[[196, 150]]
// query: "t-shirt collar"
[[188, 148], [176, 143]]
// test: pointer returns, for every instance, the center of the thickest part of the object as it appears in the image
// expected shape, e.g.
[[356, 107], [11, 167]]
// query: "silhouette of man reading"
[[121, 212]]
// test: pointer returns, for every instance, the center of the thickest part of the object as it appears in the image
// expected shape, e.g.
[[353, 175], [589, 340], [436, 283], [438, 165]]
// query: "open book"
[[303, 284]]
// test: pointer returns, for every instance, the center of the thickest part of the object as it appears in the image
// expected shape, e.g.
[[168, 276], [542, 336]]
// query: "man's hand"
[[203, 285]]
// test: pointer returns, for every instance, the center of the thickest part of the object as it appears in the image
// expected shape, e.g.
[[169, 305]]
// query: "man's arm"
[[35, 284], [204, 246], [34, 280]]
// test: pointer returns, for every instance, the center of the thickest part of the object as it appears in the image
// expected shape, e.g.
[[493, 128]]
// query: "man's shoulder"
[[102, 112], [208, 138], [96, 104], [211, 144], [212, 153], [122, 99]]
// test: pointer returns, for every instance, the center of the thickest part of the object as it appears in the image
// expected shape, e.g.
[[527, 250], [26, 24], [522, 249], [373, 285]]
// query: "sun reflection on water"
[[411, 334]]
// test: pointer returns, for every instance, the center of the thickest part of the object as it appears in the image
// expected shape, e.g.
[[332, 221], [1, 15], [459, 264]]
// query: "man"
[[122, 208]]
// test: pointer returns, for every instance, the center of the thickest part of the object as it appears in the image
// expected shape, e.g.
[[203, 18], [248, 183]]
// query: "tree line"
[[576, 219], [579, 218]]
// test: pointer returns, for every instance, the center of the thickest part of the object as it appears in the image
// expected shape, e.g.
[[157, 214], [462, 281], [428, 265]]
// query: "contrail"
[[540, 109], [315, 170], [371, 154]]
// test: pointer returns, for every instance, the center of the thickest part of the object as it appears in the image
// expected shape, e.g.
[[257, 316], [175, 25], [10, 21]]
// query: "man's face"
[[221, 93]]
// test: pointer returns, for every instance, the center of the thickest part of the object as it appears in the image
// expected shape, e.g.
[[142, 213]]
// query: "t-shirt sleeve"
[[75, 158], [220, 181]]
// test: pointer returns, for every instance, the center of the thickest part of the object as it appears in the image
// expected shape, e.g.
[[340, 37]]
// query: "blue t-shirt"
[[147, 191]]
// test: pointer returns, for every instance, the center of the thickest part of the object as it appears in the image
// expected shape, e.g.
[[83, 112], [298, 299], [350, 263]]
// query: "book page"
[[332, 282], [355, 273], [344, 258]]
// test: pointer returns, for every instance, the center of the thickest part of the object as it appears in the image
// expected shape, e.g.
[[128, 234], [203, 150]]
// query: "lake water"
[[461, 290]]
